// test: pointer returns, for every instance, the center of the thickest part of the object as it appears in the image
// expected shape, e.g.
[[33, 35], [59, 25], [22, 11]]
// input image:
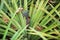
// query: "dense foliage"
[[29, 19]]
